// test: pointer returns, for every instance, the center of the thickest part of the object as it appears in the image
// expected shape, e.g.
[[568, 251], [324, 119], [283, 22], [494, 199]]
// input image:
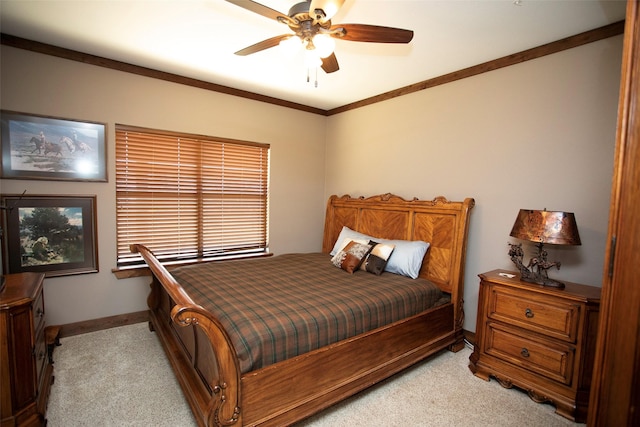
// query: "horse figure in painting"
[[69, 143], [39, 142], [74, 144], [50, 147]]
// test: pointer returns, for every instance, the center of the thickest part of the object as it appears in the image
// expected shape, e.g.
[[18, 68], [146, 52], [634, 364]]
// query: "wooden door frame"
[[615, 392]]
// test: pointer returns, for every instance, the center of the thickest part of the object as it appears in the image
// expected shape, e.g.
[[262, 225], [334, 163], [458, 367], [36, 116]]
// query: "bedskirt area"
[[279, 307]]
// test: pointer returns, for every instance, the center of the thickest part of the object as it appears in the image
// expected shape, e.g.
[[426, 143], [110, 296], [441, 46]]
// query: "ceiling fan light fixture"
[[324, 45], [290, 45], [312, 59]]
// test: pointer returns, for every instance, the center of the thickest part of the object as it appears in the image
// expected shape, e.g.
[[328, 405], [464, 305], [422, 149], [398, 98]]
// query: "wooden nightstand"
[[539, 339]]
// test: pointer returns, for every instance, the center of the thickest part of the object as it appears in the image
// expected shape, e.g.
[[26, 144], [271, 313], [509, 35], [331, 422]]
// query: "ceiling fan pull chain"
[[309, 76]]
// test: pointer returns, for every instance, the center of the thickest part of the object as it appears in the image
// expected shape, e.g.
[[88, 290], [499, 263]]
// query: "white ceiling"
[[198, 38]]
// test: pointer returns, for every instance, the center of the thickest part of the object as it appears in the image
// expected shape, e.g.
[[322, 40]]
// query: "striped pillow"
[[377, 259], [351, 256]]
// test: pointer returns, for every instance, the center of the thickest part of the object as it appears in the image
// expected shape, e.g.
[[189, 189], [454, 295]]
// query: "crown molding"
[[586, 37]]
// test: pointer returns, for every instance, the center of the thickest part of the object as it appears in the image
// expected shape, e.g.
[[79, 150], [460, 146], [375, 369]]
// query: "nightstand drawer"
[[544, 357], [543, 314]]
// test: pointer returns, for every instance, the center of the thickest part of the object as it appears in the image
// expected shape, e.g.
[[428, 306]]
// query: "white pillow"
[[406, 258], [347, 234]]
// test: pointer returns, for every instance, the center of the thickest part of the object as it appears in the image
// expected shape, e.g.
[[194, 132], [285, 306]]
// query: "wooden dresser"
[[539, 339], [25, 372]]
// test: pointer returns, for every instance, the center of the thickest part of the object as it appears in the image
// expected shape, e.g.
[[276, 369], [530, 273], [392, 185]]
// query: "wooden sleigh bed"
[[207, 366]]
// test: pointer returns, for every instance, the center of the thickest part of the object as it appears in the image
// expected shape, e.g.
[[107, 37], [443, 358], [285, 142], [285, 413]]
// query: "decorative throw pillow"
[[377, 259], [347, 234], [406, 259], [351, 256]]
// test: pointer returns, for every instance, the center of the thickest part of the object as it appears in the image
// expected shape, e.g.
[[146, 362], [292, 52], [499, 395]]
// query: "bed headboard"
[[441, 223]]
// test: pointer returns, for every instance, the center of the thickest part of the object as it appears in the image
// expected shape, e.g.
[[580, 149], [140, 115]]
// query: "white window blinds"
[[189, 196]]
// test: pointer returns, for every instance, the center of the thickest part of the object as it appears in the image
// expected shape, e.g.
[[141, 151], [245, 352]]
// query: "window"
[[189, 197]]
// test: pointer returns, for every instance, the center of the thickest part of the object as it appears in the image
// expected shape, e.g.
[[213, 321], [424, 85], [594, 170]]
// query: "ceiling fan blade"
[[258, 8], [324, 10], [372, 33], [264, 44], [330, 64]]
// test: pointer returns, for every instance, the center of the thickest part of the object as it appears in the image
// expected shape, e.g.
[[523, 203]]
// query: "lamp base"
[[536, 271], [543, 281]]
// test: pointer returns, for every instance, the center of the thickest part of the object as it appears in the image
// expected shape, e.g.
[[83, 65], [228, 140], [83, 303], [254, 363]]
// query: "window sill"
[[143, 270]]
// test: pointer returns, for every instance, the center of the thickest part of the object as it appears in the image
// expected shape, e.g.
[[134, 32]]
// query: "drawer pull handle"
[[529, 313], [39, 312], [524, 352]]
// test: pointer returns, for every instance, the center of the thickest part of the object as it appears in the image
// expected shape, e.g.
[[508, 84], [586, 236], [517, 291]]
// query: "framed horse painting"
[[42, 147], [55, 235]]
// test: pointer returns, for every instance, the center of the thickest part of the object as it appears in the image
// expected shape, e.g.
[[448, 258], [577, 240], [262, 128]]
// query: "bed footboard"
[[219, 403]]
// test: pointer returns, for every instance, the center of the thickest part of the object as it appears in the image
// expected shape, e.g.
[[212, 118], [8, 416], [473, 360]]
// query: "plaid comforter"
[[279, 307]]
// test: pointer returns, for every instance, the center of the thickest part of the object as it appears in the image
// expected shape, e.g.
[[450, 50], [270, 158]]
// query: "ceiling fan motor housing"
[[303, 23], [299, 9]]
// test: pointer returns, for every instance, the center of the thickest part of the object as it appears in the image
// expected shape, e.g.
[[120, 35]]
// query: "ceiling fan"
[[311, 24]]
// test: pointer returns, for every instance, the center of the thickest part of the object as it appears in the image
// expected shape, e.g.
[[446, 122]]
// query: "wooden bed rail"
[[174, 290], [224, 408]]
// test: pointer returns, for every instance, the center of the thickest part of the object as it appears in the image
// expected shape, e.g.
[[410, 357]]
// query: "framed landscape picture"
[[55, 235], [39, 147]]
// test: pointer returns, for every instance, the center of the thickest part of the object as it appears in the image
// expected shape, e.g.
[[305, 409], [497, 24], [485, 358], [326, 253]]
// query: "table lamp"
[[553, 227]]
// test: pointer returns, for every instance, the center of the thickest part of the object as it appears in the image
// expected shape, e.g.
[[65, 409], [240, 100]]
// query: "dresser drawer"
[[541, 356], [40, 354], [38, 313], [536, 312]]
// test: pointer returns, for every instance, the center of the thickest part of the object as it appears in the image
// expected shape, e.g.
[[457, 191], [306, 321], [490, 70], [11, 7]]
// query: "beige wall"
[[536, 135], [46, 85]]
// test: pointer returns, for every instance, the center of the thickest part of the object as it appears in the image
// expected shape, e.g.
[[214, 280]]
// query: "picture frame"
[[55, 235], [51, 148]]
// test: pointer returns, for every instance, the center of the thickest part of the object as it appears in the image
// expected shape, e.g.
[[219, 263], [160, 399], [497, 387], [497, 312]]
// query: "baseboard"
[[94, 325], [469, 336]]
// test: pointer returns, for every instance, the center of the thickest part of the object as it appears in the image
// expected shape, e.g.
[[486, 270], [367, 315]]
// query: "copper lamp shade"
[[558, 228]]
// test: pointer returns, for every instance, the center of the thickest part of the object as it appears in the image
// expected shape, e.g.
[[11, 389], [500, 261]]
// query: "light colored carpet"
[[121, 377]]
